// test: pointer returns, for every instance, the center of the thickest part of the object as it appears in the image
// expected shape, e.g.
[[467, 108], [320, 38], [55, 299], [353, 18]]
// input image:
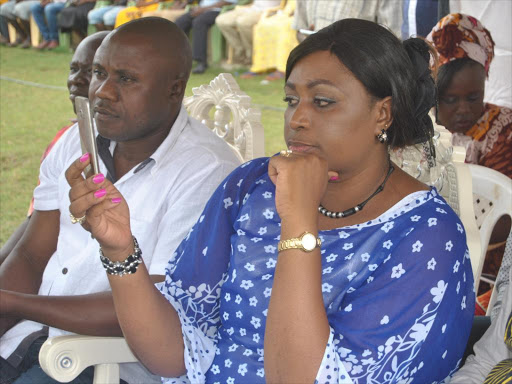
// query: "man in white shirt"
[[165, 164]]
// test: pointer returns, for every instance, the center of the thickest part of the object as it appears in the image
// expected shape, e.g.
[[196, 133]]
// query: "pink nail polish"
[[100, 193], [116, 200], [334, 178], [98, 178], [84, 157]]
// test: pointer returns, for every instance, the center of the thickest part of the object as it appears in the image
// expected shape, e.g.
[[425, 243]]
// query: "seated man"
[[166, 165], [45, 15], [237, 26], [80, 70], [200, 19]]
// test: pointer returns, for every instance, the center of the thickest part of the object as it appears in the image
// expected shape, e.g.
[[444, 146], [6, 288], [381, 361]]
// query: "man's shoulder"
[[201, 142]]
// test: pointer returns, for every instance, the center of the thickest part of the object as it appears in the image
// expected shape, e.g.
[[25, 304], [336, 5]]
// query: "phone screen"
[[87, 134]]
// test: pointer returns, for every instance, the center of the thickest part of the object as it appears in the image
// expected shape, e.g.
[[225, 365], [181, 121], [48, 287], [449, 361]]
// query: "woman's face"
[[330, 112], [462, 103]]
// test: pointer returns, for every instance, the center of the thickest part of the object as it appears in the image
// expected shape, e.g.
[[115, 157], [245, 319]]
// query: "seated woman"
[[273, 40], [466, 50], [325, 262]]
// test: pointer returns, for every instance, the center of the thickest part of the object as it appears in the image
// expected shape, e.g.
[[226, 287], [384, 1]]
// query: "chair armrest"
[[64, 357]]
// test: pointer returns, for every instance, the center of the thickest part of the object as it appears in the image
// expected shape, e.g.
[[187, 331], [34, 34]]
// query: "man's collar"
[[106, 148]]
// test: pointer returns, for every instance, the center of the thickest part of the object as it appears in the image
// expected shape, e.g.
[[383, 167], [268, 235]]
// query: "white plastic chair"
[[452, 178], [234, 119], [492, 193]]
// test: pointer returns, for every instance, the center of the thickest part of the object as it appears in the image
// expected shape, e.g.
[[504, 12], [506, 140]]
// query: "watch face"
[[309, 241]]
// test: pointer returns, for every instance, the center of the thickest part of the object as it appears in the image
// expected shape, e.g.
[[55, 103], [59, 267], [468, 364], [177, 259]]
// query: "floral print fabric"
[[398, 290], [489, 141], [456, 36]]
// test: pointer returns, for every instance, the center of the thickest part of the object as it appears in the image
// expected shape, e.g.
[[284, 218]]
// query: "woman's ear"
[[384, 114]]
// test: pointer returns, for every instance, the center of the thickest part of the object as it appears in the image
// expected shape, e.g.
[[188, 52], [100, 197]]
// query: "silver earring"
[[382, 136]]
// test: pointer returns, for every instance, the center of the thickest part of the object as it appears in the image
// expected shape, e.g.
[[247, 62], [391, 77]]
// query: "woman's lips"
[[300, 147]]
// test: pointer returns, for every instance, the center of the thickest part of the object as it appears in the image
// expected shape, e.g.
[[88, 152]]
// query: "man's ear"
[[177, 89], [383, 110]]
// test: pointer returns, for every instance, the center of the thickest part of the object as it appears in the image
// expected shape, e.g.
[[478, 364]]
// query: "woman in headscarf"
[[466, 50]]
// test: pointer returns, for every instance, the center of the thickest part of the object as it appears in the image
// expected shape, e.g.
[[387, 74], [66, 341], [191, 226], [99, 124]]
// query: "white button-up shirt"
[[166, 197]]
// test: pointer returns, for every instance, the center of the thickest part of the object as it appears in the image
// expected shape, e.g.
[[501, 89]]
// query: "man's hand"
[[44, 3]]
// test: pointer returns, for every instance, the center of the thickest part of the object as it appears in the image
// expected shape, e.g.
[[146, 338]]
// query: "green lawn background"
[[30, 116]]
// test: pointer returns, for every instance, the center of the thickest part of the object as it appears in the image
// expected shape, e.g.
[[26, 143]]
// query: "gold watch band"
[[298, 243]]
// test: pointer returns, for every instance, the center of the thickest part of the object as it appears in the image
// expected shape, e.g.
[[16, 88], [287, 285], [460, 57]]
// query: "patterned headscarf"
[[457, 36]]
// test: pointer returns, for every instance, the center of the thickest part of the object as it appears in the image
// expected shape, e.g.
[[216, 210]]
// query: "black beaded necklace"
[[358, 207]]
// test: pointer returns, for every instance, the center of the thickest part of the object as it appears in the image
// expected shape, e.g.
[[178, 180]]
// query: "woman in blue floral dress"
[[322, 264]]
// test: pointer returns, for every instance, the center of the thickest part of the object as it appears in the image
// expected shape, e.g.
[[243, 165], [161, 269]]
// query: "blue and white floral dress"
[[398, 290]]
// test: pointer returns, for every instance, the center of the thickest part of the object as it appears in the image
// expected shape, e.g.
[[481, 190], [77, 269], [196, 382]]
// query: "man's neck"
[[128, 154]]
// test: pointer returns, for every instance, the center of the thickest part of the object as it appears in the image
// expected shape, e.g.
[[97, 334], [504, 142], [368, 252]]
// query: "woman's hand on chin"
[[301, 180], [106, 213]]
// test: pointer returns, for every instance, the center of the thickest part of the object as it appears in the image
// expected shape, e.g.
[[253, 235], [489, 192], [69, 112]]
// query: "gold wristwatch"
[[306, 242]]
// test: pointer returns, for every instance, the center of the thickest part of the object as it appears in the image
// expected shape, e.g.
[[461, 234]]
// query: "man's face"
[[129, 90], [80, 70]]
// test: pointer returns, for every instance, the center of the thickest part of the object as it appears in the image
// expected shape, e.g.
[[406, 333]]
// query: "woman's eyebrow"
[[312, 84]]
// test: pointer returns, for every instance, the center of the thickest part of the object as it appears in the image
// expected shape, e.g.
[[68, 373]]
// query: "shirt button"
[[64, 271]]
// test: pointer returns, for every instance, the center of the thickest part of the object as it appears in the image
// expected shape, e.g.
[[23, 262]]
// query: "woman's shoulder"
[[249, 172]]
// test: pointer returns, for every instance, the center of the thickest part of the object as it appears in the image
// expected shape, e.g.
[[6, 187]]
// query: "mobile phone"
[[87, 134]]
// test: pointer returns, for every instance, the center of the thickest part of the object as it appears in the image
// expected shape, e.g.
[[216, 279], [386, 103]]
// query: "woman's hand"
[[301, 180], [107, 216]]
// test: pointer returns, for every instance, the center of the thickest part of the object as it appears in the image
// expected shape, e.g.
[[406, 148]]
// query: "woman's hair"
[[448, 70], [386, 67]]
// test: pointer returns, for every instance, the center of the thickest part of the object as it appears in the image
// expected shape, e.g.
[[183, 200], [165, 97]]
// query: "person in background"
[[136, 9], [466, 51], [4, 31], [419, 16], [104, 18], [325, 263], [45, 15], [80, 71], [491, 362], [17, 13], [74, 17], [495, 15], [273, 40], [314, 15], [50, 284], [169, 10], [237, 27], [199, 19]]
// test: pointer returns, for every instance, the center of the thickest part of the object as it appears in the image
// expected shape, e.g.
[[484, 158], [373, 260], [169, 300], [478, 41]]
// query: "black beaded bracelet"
[[126, 267]]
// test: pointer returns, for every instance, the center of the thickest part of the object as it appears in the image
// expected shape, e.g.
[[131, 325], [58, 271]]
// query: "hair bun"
[[419, 54]]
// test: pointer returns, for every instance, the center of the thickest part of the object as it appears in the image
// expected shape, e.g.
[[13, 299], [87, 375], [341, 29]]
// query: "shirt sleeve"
[[409, 320], [198, 269], [46, 194], [300, 19]]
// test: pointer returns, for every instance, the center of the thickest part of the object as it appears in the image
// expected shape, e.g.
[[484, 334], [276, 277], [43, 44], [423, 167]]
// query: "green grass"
[[30, 116]]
